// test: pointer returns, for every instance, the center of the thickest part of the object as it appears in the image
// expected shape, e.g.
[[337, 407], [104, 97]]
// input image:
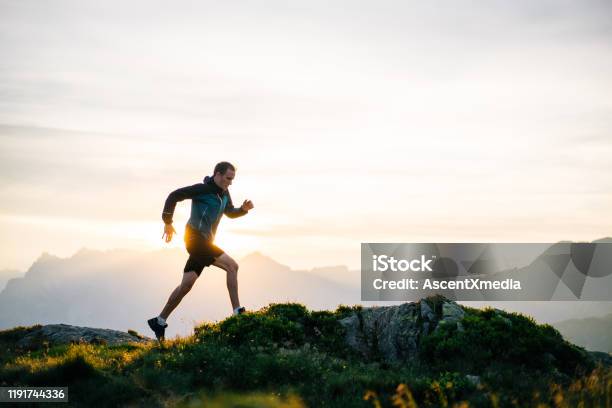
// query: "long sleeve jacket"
[[208, 203]]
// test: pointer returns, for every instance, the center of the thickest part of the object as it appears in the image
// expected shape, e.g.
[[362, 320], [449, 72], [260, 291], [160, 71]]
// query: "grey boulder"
[[55, 334]]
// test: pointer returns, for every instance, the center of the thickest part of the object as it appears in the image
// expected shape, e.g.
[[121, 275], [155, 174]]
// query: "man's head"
[[224, 174]]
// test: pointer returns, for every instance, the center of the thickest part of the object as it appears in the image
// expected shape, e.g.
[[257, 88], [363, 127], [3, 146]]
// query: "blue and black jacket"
[[208, 203]]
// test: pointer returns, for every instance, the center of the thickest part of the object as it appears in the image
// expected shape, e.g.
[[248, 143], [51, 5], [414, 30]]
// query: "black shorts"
[[202, 252]]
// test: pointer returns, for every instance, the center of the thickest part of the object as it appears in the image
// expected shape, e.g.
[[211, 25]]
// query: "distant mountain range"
[[6, 274], [120, 289], [592, 333]]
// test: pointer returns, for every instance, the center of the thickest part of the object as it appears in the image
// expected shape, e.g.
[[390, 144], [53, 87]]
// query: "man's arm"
[[179, 195], [231, 211]]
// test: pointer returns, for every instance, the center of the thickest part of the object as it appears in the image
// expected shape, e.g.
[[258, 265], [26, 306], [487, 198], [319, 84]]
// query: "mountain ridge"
[[407, 350]]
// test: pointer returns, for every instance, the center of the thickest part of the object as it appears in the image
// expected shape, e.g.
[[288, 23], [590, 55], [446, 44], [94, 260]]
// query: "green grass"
[[287, 356], [493, 338]]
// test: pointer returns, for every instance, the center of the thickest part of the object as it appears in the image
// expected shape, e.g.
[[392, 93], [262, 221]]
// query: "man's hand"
[[168, 232], [247, 205]]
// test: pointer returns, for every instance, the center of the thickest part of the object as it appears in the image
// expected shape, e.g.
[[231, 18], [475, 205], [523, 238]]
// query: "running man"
[[209, 201]]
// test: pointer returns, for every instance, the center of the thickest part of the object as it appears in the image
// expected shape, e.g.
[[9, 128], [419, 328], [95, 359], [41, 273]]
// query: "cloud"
[[493, 110]]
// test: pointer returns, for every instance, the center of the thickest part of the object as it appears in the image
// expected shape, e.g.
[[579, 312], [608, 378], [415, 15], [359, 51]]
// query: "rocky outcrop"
[[54, 334], [394, 332]]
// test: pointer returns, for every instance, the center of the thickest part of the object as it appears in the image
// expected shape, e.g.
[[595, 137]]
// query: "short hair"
[[222, 167]]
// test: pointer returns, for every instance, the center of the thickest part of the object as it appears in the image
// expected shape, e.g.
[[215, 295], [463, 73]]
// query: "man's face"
[[225, 180]]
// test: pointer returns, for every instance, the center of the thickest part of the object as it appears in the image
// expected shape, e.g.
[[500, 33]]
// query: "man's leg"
[[179, 292], [225, 262]]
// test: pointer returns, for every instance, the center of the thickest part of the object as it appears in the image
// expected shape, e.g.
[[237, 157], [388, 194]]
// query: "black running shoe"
[[157, 328], [241, 310]]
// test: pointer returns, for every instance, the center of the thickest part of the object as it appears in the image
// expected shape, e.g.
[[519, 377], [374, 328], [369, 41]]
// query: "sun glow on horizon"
[[408, 122]]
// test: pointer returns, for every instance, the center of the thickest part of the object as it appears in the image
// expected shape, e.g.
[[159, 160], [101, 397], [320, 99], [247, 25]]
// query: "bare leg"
[[179, 292], [225, 262]]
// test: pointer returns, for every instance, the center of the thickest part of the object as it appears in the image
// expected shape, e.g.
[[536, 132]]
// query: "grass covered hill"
[[287, 356]]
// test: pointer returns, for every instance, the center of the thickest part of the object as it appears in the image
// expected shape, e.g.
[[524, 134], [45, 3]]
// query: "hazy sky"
[[348, 121]]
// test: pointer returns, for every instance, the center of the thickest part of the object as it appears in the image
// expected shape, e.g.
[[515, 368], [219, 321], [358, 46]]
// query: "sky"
[[348, 122]]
